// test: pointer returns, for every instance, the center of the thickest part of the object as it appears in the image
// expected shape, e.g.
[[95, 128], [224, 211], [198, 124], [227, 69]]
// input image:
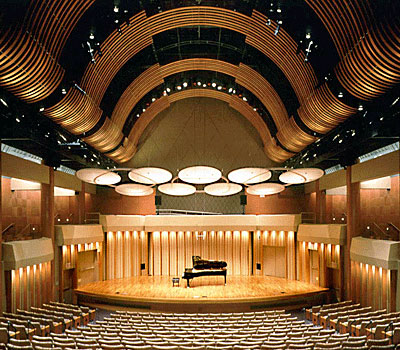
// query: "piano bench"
[[175, 280]]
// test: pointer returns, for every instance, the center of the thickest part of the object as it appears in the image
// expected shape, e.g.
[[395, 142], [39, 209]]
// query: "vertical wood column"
[[317, 203], [353, 214], [47, 221], [81, 205], [1, 240], [322, 216], [320, 204]]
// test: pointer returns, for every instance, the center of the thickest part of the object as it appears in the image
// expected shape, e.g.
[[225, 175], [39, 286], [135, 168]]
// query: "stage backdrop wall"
[[171, 252], [164, 245]]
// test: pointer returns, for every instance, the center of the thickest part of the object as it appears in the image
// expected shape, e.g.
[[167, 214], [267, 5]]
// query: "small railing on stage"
[[184, 212]]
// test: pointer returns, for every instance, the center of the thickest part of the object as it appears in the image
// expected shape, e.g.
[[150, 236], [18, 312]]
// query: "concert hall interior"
[[201, 159]]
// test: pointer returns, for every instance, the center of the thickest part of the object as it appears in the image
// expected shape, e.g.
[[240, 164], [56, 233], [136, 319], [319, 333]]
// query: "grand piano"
[[202, 267]]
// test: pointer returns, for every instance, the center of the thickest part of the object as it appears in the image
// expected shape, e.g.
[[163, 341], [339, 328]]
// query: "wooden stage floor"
[[206, 294]]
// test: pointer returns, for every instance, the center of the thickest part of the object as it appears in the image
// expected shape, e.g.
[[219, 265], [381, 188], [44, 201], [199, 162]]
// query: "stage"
[[206, 294]]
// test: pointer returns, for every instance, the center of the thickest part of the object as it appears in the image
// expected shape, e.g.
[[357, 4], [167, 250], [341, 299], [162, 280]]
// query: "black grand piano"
[[203, 267]]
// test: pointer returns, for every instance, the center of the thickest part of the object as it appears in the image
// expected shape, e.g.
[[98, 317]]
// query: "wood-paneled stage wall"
[[165, 246], [28, 286]]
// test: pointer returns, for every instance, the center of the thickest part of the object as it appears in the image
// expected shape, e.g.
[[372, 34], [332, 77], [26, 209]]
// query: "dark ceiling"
[[23, 127]]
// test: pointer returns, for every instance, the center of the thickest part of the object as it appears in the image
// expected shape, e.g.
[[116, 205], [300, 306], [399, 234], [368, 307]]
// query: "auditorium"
[[200, 174]]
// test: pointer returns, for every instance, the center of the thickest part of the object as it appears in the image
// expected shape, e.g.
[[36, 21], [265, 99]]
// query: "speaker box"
[[258, 266], [243, 199], [157, 200]]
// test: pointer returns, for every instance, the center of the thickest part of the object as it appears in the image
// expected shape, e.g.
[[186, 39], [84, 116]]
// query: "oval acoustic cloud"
[[222, 189], [199, 174], [249, 175], [177, 189], [98, 176], [134, 190], [150, 175], [265, 189]]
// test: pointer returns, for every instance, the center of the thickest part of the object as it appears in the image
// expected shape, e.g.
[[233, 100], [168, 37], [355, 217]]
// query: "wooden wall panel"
[[29, 287], [126, 251], [373, 286], [175, 252], [274, 239]]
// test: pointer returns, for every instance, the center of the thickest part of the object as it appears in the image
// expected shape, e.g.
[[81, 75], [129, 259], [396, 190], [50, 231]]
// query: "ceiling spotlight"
[[353, 132], [185, 84], [204, 85], [168, 89], [255, 109], [41, 109], [153, 99], [17, 120], [63, 91], [308, 35], [381, 118], [279, 10], [341, 140], [340, 94], [4, 102], [137, 115], [244, 99], [230, 90], [199, 83], [179, 87], [116, 9], [214, 85], [280, 22], [219, 87], [116, 21], [360, 107], [91, 36], [395, 101], [268, 23]]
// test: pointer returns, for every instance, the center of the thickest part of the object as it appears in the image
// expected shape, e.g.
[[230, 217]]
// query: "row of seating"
[[53, 317], [349, 318], [173, 331]]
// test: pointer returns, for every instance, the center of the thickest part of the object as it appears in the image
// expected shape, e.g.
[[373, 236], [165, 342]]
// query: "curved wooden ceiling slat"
[[106, 138], [244, 75], [85, 112], [297, 143], [369, 58], [119, 48], [41, 39], [369, 65], [323, 110]]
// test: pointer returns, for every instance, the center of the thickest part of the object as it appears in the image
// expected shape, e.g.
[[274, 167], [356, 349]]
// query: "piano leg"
[[225, 279], [188, 285]]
